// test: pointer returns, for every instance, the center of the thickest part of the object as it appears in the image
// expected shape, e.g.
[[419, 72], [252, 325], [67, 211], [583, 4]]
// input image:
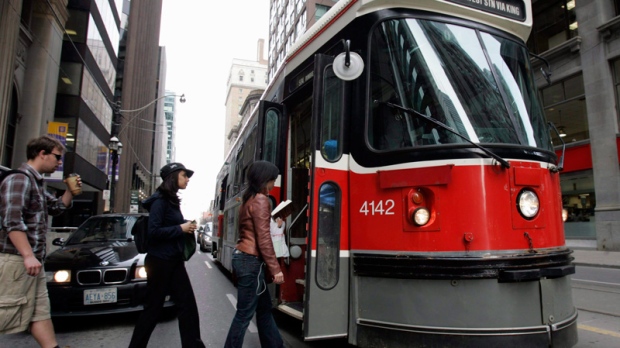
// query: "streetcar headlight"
[[140, 273], [421, 216], [528, 204], [564, 215], [62, 276]]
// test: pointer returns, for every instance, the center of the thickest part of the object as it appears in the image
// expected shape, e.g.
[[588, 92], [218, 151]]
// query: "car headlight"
[[421, 216], [528, 204], [140, 273], [62, 276]]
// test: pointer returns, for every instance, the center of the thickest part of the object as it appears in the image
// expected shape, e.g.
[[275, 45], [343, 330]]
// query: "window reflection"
[[579, 200], [481, 89], [565, 106], [271, 135], [328, 236], [91, 148], [555, 22], [100, 54], [109, 22], [331, 115], [96, 101]]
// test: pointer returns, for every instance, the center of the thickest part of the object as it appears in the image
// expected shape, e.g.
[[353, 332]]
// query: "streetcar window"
[[331, 115], [272, 126], [478, 84], [328, 236]]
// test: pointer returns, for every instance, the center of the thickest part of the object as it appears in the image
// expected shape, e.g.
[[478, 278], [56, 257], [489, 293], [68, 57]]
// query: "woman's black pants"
[[167, 277]]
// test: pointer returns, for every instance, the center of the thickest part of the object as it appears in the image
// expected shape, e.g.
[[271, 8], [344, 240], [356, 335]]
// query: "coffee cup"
[[72, 184]]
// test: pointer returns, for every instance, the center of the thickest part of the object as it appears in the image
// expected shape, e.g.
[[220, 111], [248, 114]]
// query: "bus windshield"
[[477, 83]]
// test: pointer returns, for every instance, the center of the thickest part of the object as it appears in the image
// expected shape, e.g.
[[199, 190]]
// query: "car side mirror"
[[58, 241]]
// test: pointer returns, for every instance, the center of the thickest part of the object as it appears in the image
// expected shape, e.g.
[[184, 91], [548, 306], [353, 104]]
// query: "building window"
[[240, 77], [617, 7], [320, 11], [328, 236], [555, 22], [579, 200], [565, 106]]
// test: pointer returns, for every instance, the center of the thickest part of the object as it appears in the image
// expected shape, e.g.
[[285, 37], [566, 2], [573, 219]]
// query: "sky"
[[201, 40]]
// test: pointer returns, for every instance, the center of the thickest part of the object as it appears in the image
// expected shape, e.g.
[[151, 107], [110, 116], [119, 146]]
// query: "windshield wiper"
[[502, 161]]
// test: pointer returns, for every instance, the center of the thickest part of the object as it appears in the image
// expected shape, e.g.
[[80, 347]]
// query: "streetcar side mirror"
[[546, 73], [348, 65]]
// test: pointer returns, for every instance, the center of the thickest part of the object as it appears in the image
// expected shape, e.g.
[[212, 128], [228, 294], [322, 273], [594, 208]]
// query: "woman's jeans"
[[167, 277], [252, 296]]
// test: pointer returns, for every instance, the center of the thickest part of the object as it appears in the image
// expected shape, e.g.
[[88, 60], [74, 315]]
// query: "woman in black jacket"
[[164, 262]]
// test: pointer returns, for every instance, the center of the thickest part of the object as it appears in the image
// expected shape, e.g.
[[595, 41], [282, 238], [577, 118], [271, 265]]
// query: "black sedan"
[[98, 269]]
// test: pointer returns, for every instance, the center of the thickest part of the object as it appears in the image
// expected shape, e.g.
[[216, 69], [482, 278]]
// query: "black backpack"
[[140, 233], [4, 174]]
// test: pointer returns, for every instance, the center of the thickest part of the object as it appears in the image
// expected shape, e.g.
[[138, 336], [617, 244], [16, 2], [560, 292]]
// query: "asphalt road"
[[216, 298], [596, 292]]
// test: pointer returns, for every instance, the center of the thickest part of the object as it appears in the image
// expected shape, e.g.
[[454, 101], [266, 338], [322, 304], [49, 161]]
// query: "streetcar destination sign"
[[514, 9]]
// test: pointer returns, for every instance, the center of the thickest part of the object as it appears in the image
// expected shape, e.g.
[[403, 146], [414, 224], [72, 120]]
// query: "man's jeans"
[[252, 296]]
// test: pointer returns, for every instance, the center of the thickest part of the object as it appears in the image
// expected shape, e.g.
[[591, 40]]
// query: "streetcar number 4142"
[[378, 207]]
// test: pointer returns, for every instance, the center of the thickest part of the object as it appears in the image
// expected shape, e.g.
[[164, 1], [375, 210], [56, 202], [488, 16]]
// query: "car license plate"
[[98, 296]]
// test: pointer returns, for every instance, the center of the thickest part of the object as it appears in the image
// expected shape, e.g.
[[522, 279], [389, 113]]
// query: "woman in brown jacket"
[[253, 251]]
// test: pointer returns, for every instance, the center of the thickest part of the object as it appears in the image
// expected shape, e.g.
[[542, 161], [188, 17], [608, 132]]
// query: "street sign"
[[133, 201]]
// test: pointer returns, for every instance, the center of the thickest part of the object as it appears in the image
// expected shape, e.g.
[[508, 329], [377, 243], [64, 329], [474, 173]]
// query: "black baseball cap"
[[173, 167]]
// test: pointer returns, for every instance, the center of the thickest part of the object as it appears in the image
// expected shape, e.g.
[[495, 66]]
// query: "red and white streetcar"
[[427, 209]]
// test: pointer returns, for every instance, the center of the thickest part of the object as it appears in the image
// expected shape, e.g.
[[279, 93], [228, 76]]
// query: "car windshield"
[[477, 83], [103, 229]]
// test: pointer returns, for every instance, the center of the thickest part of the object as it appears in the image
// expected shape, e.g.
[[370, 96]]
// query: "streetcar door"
[[326, 302]]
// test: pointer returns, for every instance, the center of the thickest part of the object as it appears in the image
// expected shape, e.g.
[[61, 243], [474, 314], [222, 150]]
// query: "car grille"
[[93, 277], [114, 276]]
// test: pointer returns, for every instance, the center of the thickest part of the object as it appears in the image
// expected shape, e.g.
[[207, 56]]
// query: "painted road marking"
[[208, 265], [252, 328], [597, 330]]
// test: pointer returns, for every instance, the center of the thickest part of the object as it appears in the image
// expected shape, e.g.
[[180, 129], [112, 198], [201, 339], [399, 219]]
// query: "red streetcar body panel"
[[473, 208]]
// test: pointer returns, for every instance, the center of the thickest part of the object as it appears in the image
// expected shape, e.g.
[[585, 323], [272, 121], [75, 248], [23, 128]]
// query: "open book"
[[284, 209]]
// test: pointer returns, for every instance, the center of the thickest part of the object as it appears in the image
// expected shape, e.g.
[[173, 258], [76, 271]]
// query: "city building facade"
[[245, 77], [581, 42], [288, 20], [74, 70], [139, 94], [31, 37], [170, 107]]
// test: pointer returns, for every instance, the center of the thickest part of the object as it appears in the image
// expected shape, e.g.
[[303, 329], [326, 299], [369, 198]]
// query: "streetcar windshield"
[[477, 83]]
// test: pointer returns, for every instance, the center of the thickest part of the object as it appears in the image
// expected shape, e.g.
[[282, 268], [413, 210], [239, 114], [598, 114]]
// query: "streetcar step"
[[294, 309], [300, 281]]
